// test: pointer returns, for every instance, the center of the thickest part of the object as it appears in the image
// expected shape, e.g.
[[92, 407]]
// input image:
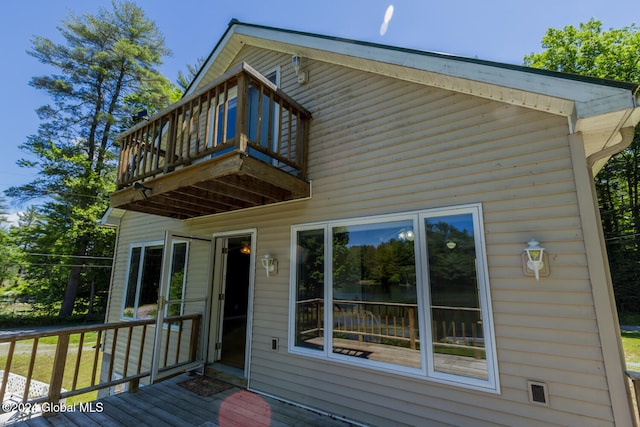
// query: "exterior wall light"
[[245, 248], [296, 62], [535, 259], [142, 188], [270, 264]]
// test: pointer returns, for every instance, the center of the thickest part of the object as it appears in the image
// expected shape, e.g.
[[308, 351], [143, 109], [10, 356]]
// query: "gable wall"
[[379, 146]]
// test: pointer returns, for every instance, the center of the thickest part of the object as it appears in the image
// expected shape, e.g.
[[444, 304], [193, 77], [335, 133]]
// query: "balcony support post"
[[171, 141], [242, 113]]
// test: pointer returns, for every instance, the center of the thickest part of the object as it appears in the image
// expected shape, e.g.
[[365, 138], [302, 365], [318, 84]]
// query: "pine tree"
[[105, 70]]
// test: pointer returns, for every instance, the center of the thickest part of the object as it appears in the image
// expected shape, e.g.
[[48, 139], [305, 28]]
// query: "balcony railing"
[[241, 110]]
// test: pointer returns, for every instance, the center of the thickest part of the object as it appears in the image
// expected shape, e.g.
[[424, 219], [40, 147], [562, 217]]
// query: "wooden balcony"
[[237, 143]]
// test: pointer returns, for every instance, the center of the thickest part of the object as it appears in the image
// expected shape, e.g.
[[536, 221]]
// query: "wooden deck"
[[168, 404]]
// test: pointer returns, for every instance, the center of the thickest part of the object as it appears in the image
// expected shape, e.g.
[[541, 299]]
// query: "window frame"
[[174, 243], [426, 370], [143, 250]]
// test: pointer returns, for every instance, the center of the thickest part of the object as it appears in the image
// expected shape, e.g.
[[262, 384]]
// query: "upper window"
[[262, 120], [407, 293]]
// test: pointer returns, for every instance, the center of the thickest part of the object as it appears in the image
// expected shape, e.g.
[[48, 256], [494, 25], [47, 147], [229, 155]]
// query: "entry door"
[[235, 258], [184, 290]]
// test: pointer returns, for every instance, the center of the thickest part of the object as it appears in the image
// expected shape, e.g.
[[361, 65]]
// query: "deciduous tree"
[[612, 54]]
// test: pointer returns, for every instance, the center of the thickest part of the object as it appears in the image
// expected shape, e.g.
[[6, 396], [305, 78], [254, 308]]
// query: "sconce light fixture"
[[245, 248], [270, 264], [451, 244], [296, 62], [535, 260], [143, 189]]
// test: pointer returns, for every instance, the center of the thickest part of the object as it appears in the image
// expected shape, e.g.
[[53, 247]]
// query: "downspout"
[[627, 137], [627, 134]]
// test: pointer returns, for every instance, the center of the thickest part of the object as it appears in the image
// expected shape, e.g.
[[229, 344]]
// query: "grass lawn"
[[44, 362], [631, 344]]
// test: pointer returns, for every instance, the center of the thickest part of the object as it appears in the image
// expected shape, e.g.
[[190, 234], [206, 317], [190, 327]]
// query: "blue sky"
[[497, 30]]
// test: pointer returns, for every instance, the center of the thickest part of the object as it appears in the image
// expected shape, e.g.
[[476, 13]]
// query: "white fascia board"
[[112, 217], [590, 98]]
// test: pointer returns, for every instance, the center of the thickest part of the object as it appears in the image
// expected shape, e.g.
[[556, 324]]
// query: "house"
[[351, 221]]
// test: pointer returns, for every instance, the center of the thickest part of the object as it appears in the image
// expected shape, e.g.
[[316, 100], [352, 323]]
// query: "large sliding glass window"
[[405, 293]]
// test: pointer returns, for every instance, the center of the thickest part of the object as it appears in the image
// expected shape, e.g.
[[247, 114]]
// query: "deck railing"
[[78, 349], [378, 322], [634, 390], [241, 111]]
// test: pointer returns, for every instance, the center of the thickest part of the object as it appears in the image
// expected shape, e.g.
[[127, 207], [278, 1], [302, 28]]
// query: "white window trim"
[[143, 246], [184, 276], [276, 116], [427, 371]]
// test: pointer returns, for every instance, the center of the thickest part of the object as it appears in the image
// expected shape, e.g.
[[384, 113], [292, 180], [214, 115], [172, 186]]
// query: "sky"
[[495, 30]]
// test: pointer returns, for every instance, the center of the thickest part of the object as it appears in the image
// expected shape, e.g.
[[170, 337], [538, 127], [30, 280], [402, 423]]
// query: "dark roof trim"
[[634, 87]]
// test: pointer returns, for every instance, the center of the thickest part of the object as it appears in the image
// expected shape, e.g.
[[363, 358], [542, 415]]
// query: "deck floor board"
[[168, 404]]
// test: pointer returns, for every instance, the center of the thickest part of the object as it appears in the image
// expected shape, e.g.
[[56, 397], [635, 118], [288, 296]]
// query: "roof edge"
[[634, 87]]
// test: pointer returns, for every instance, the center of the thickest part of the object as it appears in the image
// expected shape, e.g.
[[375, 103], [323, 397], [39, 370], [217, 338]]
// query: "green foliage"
[[175, 293], [8, 253], [390, 263], [612, 54], [184, 80], [103, 72], [590, 51], [38, 319]]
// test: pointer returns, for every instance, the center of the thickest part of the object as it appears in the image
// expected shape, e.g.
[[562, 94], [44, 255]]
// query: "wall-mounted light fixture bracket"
[[143, 189], [296, 62], [535, 261], [270, 264]]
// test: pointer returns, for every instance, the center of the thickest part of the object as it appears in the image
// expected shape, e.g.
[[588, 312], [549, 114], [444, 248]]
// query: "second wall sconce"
[[270, 264]]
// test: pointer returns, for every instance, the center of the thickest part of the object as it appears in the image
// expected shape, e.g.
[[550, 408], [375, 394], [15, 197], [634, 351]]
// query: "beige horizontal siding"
[[380, 146]]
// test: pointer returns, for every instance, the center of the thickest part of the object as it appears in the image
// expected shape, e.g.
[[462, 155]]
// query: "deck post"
[[242, 112], [57, 373], [195, 339], [412, 329], [134, 385]]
